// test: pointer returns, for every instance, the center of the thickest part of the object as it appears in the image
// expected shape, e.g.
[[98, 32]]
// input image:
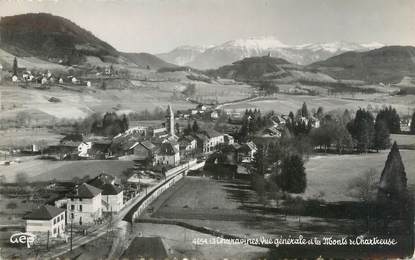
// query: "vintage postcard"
[[207, 129]]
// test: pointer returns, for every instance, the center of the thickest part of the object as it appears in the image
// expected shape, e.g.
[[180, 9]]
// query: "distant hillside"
[[145, 59], [268, 69], [254, 68], [388, 65], [51, 38]]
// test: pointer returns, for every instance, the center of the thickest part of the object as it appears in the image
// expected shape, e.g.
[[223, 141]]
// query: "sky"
[[157, 26]]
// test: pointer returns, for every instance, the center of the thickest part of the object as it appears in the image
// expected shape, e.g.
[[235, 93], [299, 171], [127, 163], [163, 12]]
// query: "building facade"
[[47, 220]]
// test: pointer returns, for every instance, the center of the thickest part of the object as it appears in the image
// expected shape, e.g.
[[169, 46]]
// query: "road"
[[117, 223]]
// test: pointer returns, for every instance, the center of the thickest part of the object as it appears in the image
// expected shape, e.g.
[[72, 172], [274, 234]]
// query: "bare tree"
[[364, 188]]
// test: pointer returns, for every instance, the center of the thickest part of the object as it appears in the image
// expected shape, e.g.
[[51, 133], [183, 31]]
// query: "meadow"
[[46, 170], [284, 103], [331, 174]]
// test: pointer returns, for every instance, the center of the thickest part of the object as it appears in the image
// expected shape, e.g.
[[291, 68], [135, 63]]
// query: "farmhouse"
[[168, 153], [46, 219], [112, 195], [143, 151], [84, 204], [246, 152], [83, 149], [215, 138]]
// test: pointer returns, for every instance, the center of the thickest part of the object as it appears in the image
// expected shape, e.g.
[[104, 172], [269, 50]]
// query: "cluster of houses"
[[46, 78], [85, 204]]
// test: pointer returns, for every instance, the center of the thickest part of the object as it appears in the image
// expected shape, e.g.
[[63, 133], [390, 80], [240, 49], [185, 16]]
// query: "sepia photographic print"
[[207, 129]]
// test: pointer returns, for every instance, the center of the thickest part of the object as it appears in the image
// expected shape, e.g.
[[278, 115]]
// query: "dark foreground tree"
[[15, 66], [293, 177], [382, 136], [412, 127]]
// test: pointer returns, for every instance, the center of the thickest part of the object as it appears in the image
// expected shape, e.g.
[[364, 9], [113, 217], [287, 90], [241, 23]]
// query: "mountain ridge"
[[234, 50]]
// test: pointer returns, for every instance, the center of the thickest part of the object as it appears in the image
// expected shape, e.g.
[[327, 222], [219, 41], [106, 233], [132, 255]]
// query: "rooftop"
[[45, 212]]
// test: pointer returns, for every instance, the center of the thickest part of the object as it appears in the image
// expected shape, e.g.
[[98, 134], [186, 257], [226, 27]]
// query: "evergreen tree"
[[258, 163], [124, 123], [362, 130], [382, 136], [293, 177], [393, 181], [195, 127], [391, 118], [15, 66], [320, 113], [188, 129], [412, 127], [304, 110]]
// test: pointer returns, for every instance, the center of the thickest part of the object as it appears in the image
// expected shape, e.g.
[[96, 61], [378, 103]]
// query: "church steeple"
[[170, 121]]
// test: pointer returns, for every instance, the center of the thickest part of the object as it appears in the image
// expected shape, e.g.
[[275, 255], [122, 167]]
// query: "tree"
[[11, 205], [304, 110], [412, 127], [391, 118], [195, 127], [15, 66], [293, 177], [258, 164], [362, 130], [320, 113], [364, 187], [382, 136]]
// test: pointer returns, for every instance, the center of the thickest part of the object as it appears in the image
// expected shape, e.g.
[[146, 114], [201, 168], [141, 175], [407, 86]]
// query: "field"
[[331, 173], [20, 137], [45, 170], [232, 207], [284, 103]]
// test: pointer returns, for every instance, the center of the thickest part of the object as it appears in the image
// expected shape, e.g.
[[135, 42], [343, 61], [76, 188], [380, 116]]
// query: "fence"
[[172, 176]]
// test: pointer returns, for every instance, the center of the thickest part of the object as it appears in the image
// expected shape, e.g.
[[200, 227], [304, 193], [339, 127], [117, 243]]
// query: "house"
[[60, 81], [214, 115], [84, 204], [405, 124], [272, 132], [202, 142], [74, 80], [88, 83], [168, 153], [215, 138], [46, 220], [44, 81], [112, 195], [187, 144], [143, 151], [15, 78], [228, 139], [83, 149], [246, 152]]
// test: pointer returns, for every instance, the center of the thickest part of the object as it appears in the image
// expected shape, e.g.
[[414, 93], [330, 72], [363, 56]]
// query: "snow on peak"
[[373, 45], [257, 43]]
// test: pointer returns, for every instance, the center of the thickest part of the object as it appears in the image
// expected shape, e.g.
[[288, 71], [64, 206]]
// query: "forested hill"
[[388, 65]]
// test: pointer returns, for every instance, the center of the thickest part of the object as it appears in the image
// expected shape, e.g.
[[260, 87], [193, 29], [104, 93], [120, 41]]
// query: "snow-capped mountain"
[[182, 55], [231, 51]]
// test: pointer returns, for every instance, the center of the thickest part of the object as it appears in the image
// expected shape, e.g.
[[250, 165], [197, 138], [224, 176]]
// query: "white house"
[[215, 138], [84, 204], [83, 149], [88, 83], [246, 152], [112, 195], [214, 115], [44, 81], [15, 78], [46, 219], [74, 80], [187, 144], [60, 80]]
